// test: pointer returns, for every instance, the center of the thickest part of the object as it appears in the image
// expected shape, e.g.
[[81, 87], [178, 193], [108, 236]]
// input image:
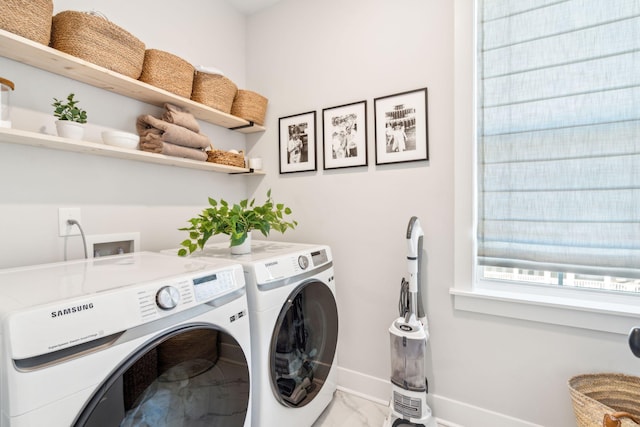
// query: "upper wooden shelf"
[[38, 55], [21, 137]]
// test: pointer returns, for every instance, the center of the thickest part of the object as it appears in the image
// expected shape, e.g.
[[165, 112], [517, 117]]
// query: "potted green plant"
[[237, 221], [70, 117]]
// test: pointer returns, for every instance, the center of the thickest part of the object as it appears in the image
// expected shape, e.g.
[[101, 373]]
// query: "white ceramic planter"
[[69, 129], [244, 248]]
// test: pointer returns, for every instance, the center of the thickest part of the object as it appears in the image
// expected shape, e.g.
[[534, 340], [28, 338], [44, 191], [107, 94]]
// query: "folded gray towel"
[[154, 144], [180, 117], [171, 133]]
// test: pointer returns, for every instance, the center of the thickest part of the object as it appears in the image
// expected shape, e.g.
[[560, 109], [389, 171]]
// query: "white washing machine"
[[294, 328], [143, 339]]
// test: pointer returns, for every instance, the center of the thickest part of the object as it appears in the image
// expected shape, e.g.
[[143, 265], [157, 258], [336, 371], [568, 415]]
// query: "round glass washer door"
[[186, 377], [303, 344]]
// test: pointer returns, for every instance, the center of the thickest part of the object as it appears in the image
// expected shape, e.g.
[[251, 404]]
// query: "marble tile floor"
[[348, 410]]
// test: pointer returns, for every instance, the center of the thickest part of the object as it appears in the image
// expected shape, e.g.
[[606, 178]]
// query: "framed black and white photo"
[[298, 143], [344, 130], [401, 127]]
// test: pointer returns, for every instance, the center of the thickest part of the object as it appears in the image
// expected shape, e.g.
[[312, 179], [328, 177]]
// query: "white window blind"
[[559, 135]]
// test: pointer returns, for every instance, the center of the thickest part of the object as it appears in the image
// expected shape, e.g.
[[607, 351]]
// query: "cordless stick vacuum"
[[409, 334]]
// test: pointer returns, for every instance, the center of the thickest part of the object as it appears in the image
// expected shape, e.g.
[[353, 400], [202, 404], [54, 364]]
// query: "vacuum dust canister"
[[408, 346], [6, 87]]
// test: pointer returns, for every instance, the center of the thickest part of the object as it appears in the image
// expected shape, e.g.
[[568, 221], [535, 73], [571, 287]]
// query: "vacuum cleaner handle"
[[414, 232], [414, 239]]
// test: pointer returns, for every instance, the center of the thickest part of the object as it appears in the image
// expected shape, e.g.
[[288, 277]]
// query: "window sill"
[[587, 310]]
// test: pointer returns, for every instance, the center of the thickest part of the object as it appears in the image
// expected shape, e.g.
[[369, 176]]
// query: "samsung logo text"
[[72, 310]]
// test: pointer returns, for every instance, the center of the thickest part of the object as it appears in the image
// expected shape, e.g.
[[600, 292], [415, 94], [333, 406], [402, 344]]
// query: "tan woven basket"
[[250, 106], [594, 395], [99, 41], [167, 71], [30, 19], [213, 90], [226, 158]]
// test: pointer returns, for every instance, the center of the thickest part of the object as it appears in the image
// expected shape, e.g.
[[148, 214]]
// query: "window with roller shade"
[[558, 131]]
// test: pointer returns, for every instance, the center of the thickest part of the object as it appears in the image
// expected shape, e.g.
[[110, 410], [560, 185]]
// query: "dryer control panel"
[[290, 266]]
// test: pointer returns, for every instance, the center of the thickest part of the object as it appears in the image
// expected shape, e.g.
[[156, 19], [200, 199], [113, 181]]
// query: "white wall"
[[307, 55], [114, 195]]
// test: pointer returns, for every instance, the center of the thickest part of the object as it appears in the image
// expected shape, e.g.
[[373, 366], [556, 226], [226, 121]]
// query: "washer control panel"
[[211, 285], [46, 328], [167, 297], [303, 262], [186, 292]]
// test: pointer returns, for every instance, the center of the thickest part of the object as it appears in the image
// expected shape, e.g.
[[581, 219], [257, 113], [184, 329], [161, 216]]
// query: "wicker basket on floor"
[[30, 19], [594, 395], [213, 90], [250, 106], [167, 71], [99, 41], [226, 158]]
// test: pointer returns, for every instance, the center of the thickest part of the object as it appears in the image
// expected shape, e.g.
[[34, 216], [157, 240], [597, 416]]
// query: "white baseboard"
[[365, 386], [463, 414], [448, 412]]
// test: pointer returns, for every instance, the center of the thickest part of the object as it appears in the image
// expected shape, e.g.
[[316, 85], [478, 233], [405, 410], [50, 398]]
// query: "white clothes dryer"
[[137, 339], [294, 328]]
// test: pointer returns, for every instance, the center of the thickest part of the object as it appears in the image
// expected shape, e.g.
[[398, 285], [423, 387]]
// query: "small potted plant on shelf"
[[70, 118], [237, 221]]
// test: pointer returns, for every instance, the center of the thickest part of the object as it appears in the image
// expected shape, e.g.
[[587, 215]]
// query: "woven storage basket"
[[594, 395], [99, 41], [30, 19], [213, 90], [250, 106], [226, 158], [167, 71]]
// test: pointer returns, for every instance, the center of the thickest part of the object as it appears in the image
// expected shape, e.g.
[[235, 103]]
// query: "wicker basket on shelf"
[[213, 90], [99, 41], [226, 158], [250, 106], [594, 395], [30, 19], [167, 71]]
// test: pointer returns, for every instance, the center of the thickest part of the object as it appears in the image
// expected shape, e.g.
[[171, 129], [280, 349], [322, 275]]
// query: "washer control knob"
[[303, 262], [167, 297]]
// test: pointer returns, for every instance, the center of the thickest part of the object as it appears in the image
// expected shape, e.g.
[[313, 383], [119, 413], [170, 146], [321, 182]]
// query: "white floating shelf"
[[20, 137], [38, 55]]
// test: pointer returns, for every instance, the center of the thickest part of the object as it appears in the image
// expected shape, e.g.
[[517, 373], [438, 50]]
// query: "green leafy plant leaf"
[[68, 110], [236, 221]]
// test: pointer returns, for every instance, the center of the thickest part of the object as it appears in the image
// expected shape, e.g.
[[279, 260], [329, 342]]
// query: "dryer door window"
[[191, 376], [303, 344]]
